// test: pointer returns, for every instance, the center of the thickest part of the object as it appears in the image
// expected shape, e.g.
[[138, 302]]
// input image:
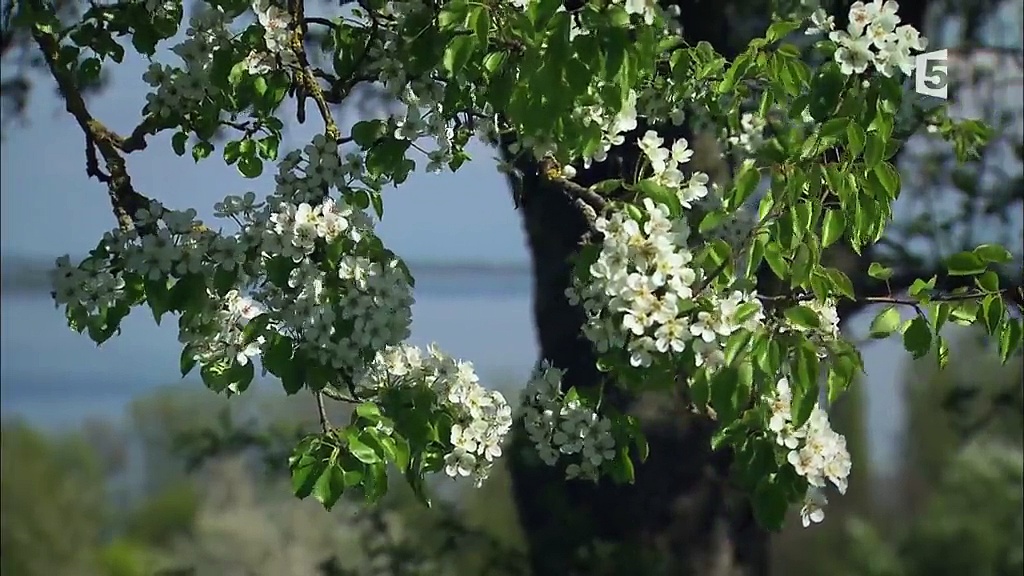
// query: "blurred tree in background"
[[52, 517]]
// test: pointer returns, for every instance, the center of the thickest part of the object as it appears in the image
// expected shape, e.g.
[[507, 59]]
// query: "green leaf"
[[728, 394], [921, 289], [780, 29], [621, 468], [369, 411], [804, 383], [746, 182], [992, 311], [366, 133], [493, 61], [375, 481], [1010, 338], [318, 376], [89, 71], [885, 323], [158, 297], [201, 150], [728, 435], [398, 451], [989, 281], [803, 317], [746, 311], [993, 253], [187, 361], [386, 156], [360, 449], [267, 147], [643, 448], [330, 486], [188, 293], [250, 166], [855, 139], [874, 150], [307, 466], [942, 356], [711, 221], [458, 53], [801, 271], [841, 371], [841, 282], [832, 228], [230, 376], [965, 264], [278, 354], [178, 142], [735, 73], [232, 150], [281, 360], [889, 177], [917, 338], [879, 272], [770, 504], [776, 261], [833, 128]]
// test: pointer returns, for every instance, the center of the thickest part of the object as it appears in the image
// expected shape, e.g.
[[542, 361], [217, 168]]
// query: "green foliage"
[[545, 76], [53, 504], [165, 516]]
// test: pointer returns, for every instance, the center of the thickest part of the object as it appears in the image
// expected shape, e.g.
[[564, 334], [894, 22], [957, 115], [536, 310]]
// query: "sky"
[[48, 207]]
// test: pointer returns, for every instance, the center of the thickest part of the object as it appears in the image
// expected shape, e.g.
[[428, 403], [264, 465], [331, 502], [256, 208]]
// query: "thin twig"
[[901, 301], [325, 424]]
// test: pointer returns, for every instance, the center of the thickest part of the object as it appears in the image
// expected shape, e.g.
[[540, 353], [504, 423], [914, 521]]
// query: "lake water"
[[54, 376]]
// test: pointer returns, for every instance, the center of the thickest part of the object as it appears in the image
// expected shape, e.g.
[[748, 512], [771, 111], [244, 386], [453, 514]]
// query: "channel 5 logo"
[[931, 74]]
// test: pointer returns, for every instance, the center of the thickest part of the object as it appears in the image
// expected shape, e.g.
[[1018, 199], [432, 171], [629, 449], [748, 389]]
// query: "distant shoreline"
[[21, 275]]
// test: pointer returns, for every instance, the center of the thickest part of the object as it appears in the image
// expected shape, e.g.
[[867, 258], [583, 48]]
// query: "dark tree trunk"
[[682, 517]]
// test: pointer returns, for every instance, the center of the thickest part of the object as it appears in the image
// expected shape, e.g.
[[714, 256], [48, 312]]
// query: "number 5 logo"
[[931, 76]]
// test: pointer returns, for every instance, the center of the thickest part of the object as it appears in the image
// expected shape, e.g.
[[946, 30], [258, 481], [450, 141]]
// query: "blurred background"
[[112, 465]]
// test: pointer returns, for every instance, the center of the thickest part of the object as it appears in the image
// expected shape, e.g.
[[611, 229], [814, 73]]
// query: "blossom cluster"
[[815, 451], [563, 427], [276, 23], [179, 90], [340, 300], [640, 293], [873, 37], [481, 418], [340, 311], [750, 137], [307, 175]]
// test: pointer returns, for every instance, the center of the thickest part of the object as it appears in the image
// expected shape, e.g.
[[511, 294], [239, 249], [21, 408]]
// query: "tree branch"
[[325, 424], [124, 199], [304, 76]]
